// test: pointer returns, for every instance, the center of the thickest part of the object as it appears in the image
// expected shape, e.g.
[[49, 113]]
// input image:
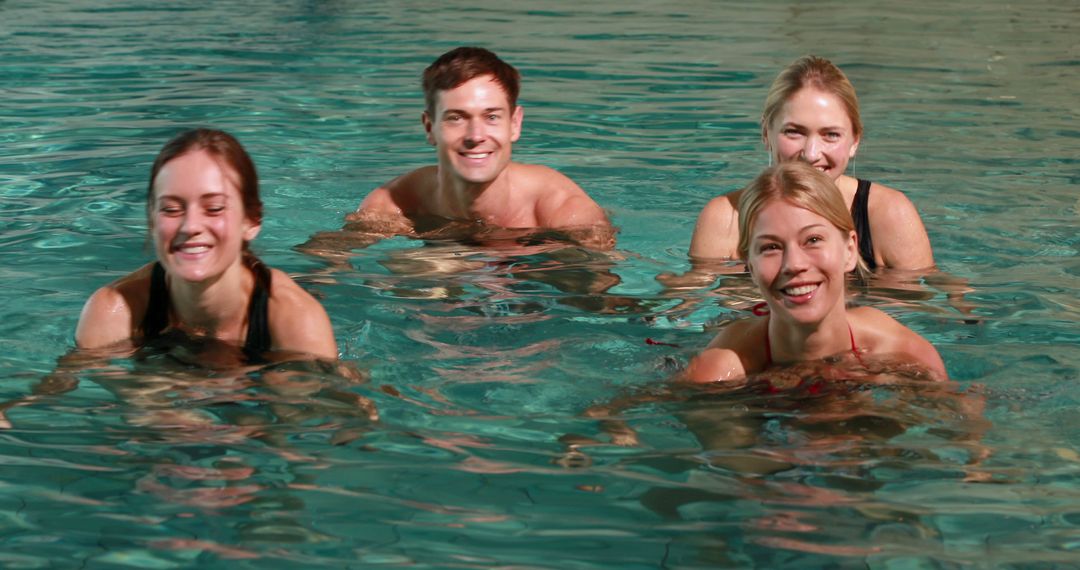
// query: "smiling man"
[[472, 119]]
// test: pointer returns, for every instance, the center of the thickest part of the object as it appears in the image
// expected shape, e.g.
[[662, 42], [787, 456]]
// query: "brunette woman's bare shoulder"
[[298, 322], [113, 312]]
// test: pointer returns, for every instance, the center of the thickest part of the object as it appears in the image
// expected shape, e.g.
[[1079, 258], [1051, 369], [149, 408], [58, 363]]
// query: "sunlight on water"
[[505, 403]]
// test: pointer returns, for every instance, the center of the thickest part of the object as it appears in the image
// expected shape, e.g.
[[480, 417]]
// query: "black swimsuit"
[[258, 333], [861, 214]]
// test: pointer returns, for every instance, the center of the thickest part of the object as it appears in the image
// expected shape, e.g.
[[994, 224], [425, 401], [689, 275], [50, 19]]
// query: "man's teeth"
[[476, 154], [801, 290]]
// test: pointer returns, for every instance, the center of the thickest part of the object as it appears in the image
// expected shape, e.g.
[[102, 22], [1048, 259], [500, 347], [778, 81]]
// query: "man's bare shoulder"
[[546, 183], [402, 196], [560, 202], [725, 205], [716, 233]]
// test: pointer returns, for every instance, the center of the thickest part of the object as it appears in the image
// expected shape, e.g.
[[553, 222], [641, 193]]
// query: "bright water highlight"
[[482, 362]]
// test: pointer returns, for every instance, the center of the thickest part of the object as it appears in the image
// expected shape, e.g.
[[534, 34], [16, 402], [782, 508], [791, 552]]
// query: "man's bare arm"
[[377, 218]]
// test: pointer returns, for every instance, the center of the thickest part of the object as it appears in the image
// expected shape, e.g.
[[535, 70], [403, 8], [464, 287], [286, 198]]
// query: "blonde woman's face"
[[799, 261], [813, 126]]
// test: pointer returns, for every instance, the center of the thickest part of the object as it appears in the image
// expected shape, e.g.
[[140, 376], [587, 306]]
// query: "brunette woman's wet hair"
[[226, 149], [229, 153]]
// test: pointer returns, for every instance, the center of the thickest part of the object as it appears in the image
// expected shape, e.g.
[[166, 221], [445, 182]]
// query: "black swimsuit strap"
[[156, 318], [860, 213], [258, 333], [258, 339]]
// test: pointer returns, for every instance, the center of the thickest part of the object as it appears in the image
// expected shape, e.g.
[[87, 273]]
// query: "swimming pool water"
[[481, 362]]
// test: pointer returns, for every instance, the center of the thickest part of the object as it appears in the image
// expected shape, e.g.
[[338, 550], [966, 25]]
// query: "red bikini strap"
[[854, 348], [768, 348]]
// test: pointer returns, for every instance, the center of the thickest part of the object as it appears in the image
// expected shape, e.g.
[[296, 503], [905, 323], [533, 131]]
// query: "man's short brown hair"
[[463, 64]]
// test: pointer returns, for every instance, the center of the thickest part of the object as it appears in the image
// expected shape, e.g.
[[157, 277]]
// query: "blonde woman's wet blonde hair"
[[801, 185], [816, 72]]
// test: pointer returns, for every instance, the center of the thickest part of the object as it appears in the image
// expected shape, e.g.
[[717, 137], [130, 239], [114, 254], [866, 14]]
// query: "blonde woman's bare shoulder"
[[740, 334], [887, 203], [900, 238], [877, 333], [733, 354]]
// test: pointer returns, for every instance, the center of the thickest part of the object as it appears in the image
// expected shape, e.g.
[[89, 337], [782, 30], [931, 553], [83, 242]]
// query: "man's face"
[[473, 129]]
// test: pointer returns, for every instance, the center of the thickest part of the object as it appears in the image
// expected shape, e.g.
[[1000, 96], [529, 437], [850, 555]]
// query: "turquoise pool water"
[[481, 455]]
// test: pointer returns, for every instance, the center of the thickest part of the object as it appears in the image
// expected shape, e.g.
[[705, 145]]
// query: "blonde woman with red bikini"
[[799, 243]]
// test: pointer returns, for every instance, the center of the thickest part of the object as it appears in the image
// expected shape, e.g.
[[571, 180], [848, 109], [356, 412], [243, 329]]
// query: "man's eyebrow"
[[464, 112]]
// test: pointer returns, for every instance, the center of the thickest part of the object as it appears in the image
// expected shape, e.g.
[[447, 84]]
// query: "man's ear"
[[425, 119], [516, 119]]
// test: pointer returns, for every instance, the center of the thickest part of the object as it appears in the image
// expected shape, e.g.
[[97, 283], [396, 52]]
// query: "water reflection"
[[807, 443], [454, 259], [457, 472]]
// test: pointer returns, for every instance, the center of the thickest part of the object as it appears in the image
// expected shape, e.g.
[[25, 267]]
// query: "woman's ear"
[[854, 148], [251, 230], [852, 252]]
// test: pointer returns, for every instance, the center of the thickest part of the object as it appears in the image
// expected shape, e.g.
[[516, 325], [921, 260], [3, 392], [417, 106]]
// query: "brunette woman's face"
[[197, 217]]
